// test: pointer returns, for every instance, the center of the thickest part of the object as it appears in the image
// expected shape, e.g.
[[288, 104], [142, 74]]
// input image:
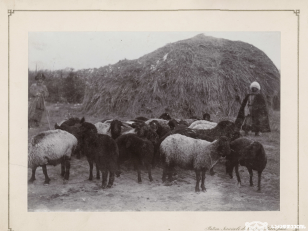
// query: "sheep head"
[[226, 128], [252, 152], [206, 116], [115, 128], [223, 146], [154, 125], [165, 116], [146, 131], [57, 126], [74, 130], [229, 168], [235, 135], [172, 124], [88, 131]]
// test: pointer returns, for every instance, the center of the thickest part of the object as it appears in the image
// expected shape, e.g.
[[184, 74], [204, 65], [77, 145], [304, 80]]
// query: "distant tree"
[[62, 85], [73, 88]]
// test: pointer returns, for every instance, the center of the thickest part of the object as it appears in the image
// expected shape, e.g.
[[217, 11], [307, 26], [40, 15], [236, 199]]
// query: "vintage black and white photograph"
[[154, 121]]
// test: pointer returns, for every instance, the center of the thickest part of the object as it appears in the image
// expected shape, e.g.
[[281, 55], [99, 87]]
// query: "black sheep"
[[246, 153], [102, 150], [74, 130], [207, 116], [106, 158], [71, 121], [159, 129], [140, 151], [146, 132], [115, 128], [142, 118], [223, 128], [173, 124], [165, 116]]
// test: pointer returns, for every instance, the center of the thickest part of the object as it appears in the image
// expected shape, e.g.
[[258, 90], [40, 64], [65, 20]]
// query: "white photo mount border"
[[295, 11]]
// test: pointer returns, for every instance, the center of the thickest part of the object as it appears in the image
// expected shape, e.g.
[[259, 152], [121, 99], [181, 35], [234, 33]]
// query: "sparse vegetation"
[[63, 85]]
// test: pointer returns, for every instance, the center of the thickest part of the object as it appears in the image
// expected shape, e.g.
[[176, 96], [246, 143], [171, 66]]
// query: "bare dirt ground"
[[222, 194]]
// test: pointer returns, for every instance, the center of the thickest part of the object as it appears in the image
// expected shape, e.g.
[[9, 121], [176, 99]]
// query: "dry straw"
[[188, 77]]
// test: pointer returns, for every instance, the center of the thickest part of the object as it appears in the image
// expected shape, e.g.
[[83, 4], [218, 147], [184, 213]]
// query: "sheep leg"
[[91, 169], [231, 172], [165, 170], [202, 181], [97, 172], [250, 174], [33, 175], [171, 170], [67, 170], [47, 179], [197, 189], [149, 172], [118, 171], [104, 178], [212, 173], [137, 167], [111, 179], [237, 175], [139, 175], [78, 151], [63, 168], [259, 181]]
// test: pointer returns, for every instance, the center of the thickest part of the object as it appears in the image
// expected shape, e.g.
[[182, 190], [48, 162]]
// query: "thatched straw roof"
[[188, 77]]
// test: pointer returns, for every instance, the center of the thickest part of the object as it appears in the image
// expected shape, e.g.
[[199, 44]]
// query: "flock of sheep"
[[189, 144]]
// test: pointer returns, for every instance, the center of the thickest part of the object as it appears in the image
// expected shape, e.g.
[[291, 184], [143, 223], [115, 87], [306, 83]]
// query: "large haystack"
[[188, 77]]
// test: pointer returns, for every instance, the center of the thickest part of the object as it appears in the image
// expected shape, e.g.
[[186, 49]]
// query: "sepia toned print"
[[164, 119]]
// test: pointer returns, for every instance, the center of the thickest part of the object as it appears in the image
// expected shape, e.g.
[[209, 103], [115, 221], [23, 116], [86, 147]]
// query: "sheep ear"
[[82, 120], [57, 126]]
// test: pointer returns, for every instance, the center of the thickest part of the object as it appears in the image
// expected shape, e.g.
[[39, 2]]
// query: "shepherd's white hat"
[[255, 84]]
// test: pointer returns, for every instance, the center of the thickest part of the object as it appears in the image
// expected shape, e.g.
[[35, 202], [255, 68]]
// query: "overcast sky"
[[81, 50]]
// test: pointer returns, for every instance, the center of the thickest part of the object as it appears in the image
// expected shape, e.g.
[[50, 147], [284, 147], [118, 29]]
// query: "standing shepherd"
[[37, 106], [253, 113]]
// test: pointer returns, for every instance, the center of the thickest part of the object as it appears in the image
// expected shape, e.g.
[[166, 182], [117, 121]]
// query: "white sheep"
[[202, 124], [189, 121], [51, 148], [192, 154], [116, 127], [131, 131], [103, 128], [162, 122]]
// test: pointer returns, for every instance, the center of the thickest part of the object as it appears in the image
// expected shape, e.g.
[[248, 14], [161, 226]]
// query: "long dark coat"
[[259, 114], [36, 106]]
